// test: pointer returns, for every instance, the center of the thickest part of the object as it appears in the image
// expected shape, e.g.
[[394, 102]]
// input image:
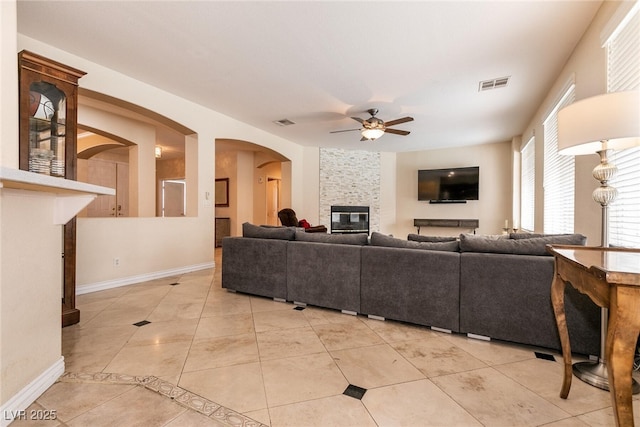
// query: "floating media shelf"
[[451, 223]]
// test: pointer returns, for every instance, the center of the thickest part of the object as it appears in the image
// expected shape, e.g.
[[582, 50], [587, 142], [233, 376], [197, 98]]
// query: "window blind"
[[623, 73], [527, 186], [558, 175]]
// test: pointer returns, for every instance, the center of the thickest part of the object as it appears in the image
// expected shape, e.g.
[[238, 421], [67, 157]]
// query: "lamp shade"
[[613, 117]]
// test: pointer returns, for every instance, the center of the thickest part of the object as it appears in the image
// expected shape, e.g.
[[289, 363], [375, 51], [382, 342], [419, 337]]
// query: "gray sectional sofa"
[[486, 286]]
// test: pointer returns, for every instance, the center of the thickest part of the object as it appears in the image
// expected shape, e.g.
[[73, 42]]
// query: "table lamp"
[[600, 124]]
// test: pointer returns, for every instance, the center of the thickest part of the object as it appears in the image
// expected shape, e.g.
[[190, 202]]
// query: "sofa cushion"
[[531, 246], [259, 232], [343, 239], [420, 238], [379, 239], [486, 236], [579, 238]]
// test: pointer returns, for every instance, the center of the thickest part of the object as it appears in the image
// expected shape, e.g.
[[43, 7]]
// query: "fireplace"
[[350, 219]]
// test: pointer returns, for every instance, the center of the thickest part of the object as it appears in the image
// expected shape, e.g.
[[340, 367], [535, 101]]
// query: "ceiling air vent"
[[493, 84], [284, 122]]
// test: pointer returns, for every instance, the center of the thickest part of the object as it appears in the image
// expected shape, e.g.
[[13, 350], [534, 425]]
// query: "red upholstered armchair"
[[288, 218]]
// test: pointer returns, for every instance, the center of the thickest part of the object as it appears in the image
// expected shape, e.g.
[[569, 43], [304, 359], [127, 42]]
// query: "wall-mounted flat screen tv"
[[449, 185]]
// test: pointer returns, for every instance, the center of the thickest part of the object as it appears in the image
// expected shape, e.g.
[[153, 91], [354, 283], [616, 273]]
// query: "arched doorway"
[[259, 183]]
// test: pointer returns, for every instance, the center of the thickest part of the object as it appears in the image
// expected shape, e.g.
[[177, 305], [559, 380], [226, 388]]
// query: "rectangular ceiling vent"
[[493, 84], [284, 122]]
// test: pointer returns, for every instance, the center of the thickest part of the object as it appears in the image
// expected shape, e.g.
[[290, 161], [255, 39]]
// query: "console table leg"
[[622, 335], [557, 299]]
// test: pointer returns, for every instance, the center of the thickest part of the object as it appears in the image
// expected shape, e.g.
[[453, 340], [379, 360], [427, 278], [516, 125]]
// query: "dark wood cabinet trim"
[[35, 68]]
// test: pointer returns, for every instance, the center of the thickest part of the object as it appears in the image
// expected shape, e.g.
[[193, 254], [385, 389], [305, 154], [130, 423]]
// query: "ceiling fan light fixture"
[[372, 134]]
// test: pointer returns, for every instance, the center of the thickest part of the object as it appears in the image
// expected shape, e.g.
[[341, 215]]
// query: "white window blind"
[[623, 73], [527, 186], [558, 175]]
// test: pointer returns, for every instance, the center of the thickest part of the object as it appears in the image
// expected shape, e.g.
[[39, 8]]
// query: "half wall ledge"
[[70, 196]]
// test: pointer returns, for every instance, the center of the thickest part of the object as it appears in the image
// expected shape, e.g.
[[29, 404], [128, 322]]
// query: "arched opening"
[[259, 184], [136, 151]]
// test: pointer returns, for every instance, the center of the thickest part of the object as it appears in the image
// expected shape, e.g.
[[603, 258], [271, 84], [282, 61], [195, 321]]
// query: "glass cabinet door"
[[47, 129]]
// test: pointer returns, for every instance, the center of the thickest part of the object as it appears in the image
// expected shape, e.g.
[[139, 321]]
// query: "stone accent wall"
[[349, 178]]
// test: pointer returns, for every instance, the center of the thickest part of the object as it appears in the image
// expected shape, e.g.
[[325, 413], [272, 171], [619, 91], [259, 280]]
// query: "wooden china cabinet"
[[48, 144]]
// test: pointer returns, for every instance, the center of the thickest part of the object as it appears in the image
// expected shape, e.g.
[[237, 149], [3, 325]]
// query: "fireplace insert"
[[350, 219]]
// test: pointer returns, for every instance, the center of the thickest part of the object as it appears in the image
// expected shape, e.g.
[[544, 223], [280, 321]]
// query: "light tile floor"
[[210, 357]]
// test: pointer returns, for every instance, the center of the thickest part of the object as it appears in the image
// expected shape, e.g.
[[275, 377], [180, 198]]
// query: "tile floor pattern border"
[[166, 389]]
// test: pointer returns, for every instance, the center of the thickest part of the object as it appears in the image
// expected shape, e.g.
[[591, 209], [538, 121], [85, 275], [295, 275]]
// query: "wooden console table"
[[611, 278], [452, 223]]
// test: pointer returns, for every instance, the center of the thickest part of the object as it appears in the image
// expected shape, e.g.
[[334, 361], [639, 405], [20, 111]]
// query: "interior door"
[[173, 197], [104, 174], [273, 200], [122, 189]]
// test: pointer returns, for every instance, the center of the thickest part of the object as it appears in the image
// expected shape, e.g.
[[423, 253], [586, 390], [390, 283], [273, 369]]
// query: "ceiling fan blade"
[[345, 130], [397, 132], [358, 119], [398, 121]]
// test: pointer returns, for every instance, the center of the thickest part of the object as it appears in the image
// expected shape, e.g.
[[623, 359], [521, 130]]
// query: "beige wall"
[[158, 245], [226, 167], [30, 289], [261, 176], [30, 264], [95, 269], [8, 85], [309, 203], [587, 68], [388, 193], [493, 207]]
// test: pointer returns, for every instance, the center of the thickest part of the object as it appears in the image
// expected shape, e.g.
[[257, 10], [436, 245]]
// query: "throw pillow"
[[379, 239], [421, 238], [343, 239], [259, 232]]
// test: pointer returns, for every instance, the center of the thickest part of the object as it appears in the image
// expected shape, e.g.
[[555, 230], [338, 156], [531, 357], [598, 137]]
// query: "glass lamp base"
[[595, 374]]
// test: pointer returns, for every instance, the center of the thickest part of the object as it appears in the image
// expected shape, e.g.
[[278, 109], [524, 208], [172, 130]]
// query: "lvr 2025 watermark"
[[31, 414]]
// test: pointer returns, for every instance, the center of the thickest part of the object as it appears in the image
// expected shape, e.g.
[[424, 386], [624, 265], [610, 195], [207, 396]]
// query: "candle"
[[506, 223]]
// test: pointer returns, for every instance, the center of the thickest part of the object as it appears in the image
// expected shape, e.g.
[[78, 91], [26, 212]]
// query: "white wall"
[[493, 207]]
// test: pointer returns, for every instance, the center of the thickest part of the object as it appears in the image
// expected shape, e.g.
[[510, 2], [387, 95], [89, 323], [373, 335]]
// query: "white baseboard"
[[15, 406], [124, 281]]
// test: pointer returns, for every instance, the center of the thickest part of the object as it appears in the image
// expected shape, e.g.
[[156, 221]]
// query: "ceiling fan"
[[373, 128]]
